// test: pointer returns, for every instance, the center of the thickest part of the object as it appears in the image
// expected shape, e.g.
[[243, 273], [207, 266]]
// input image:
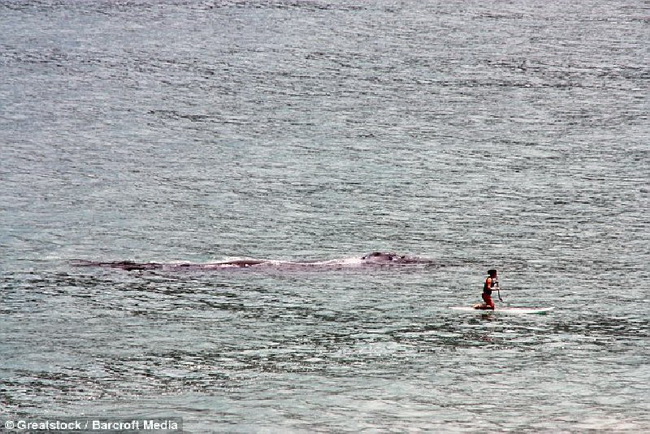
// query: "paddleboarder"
[[490, 282]]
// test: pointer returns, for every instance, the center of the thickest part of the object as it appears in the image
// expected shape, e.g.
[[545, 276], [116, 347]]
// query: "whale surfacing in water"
[[382, 258], [371, 259]]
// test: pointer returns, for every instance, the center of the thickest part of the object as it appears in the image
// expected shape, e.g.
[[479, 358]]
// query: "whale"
[[373, 259], [393, 258]]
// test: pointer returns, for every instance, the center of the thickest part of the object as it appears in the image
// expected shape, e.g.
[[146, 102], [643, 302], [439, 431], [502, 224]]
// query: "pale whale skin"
[[371, 259]]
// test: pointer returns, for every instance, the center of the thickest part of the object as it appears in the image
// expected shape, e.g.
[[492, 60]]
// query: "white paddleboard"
[[506, 310]]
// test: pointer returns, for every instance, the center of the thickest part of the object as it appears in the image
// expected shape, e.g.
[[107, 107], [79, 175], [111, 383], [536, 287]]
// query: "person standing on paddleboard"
[[490, 283]]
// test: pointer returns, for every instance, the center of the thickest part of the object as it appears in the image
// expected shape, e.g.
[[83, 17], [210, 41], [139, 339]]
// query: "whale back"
[[371, 259]]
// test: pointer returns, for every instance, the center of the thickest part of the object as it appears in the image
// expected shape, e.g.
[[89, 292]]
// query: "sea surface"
[[478, 134]]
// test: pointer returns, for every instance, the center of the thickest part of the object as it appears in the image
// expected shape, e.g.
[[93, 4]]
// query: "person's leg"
[[489, 303]]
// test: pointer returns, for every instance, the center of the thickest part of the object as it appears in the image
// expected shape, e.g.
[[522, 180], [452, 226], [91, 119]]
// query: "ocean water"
[[509, 135]]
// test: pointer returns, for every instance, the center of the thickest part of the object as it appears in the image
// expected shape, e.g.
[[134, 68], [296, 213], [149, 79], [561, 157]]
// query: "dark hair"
[[492, 272]]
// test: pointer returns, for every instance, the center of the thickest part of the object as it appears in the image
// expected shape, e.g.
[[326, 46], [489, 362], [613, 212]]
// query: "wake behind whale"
[[374, 259]]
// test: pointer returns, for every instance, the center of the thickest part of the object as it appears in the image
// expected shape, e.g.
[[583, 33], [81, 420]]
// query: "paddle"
[[499, 292]]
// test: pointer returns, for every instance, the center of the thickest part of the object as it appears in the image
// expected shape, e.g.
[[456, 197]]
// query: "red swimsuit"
[[487, 293]]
